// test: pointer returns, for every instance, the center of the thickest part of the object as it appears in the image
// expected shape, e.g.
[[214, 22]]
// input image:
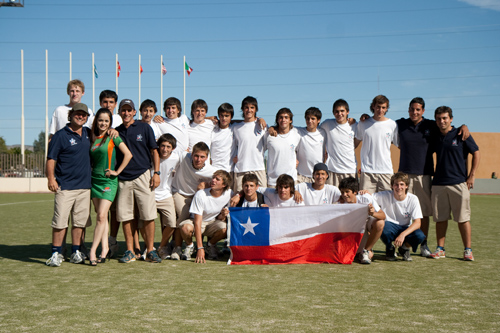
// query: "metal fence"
[[11, 165]]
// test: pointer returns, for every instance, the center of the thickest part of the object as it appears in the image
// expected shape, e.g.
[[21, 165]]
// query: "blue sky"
[[292, 54]]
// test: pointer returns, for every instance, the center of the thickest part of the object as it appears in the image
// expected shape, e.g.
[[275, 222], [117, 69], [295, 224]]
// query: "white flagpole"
[[46, 102], [184, 70], [70, 64], [22, 105], [139, 102], [93, 83], [116, 75], [161, 80]]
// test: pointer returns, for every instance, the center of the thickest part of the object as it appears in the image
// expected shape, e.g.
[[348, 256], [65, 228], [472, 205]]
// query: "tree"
[[39, 145], [3, 146]]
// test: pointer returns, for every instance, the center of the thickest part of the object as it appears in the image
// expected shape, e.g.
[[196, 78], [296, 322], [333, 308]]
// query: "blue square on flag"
[[249, 226]]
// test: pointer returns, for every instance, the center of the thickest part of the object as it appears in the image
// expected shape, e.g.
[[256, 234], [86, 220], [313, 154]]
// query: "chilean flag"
[[296, 235]]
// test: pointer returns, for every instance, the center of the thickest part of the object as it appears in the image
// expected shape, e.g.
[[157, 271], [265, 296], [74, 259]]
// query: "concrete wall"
[[24, 185]]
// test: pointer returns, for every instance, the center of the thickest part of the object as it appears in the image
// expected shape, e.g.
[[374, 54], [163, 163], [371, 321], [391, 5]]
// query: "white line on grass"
[[23, 202]]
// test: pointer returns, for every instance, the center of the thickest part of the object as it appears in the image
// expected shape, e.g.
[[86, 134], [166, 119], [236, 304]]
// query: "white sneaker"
[[188, 251], [77, 258], [145, 253], [55, 260], [165, 252], [213, 252], [176, 253], [365, 257], [424, 251]]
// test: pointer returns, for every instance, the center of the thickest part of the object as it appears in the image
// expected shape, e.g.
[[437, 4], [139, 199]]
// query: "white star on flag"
[[249, 226]]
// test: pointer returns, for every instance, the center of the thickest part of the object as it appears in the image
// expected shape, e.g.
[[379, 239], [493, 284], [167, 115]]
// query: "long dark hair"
[[95, 129]]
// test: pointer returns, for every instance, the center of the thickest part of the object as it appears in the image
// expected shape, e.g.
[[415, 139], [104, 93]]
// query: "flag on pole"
[[95, 72], [163, 69], [118, 69], [296, 235], [140, 69], [188, 69]]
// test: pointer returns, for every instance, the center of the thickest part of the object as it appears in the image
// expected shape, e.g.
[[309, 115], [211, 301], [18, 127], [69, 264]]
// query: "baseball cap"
[[320, 166], [126, 102], [80, 107]]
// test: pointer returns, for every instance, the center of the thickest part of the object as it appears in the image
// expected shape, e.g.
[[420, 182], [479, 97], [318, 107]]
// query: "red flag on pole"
[[118, 69], [140, 68]]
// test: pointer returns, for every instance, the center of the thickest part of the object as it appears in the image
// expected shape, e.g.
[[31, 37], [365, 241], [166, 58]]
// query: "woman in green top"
[[104, 178]]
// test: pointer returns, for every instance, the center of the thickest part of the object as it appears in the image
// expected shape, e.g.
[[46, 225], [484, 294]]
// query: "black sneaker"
[[390, 254], [153, 257], [405, 254]]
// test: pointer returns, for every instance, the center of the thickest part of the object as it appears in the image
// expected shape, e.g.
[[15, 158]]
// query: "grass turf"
[[445, 295]]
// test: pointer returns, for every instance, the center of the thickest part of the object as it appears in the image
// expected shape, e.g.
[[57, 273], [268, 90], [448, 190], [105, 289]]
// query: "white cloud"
[[486, 4]]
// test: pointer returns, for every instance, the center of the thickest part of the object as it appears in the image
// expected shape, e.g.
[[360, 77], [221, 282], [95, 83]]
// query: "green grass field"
[[445, 295]]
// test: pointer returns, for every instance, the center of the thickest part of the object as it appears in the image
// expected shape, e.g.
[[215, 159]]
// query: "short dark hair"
[[249, 100], [173, 101], [167, 137], [226, 178], [285, 180], [227, 108], [379, 99], [201, 146], [250, 177], [340, 102], [349, 183], [418, 100], [108, 94], [198, 103], [148, 103], [443, 109], [313, 112], [284, 111]]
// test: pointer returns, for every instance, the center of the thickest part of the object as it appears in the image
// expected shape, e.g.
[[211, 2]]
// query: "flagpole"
[[46, 102], [22, 105], [93, 83], [139, 102], [70, 64], [116, 75], [184, 70], [161, 80]]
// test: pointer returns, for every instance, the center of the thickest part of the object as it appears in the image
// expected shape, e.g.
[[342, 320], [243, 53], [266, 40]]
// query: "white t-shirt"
[[399, 212], [178, 127], [60, 119], [249, 146], [208, 206], [377, 137], [281, 155], [328, 195], [340, 146], [167, 166], [117, 121], [156, 130], [310, 150], [367, 199], [222, 150], [187, 178], [200, 133], [250, 204], [272, 199]]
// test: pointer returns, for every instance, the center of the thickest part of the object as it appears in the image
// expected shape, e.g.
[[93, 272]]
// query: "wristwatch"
[[157, 173]]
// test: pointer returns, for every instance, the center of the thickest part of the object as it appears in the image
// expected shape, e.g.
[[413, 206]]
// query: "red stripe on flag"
[[333, 248]]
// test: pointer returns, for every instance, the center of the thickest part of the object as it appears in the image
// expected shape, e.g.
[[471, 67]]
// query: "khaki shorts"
[[75, 203], [335, 178], [166, 208], [182, 205], [420, 185], [238, 178], [304, 179], [375, 182], [137, 191], [451, 199], [208, 228]]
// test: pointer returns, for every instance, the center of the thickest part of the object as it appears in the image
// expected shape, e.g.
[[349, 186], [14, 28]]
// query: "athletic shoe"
[[188, 251], [468, 255], [55, 260], [77, 258], [129, 256], [390, 254], [165, 252], [440, 253], [153, 257], [364, 257], [176, 253], [424, 251], [213, 252], [404, 253], [113, 248]]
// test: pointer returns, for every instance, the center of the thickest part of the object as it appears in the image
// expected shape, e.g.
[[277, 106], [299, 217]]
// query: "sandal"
[[101, 260], [93, 262]]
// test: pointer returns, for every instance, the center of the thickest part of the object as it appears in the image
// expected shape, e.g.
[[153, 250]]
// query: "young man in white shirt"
[[175, 123], [319, 193], [251, 197], [349, 187], [403, 216], [377, 134], [148, 111], [340, 144], [283, 195], [200, 130], [222, 139]]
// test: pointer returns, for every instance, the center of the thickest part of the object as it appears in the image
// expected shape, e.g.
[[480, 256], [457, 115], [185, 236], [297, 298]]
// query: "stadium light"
[[12, 3]]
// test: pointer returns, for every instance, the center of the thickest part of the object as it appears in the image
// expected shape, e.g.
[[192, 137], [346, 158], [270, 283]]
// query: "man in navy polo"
[[451, 183], [69, 177], [135, 184], [415, 159]]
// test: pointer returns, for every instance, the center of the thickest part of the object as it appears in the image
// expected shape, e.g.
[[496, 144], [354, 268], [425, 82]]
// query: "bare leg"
[[76, 235], [100, 231], [465, 232], [128, 233], [187, 234], [441, 228], [167, 233], [58, 236], [424, 225], [375, 233], [149, 234]]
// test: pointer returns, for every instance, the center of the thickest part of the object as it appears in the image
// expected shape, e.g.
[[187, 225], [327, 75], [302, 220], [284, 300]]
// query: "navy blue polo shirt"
[[415, 156], [140, 139], [451, 158], [72, 154]]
